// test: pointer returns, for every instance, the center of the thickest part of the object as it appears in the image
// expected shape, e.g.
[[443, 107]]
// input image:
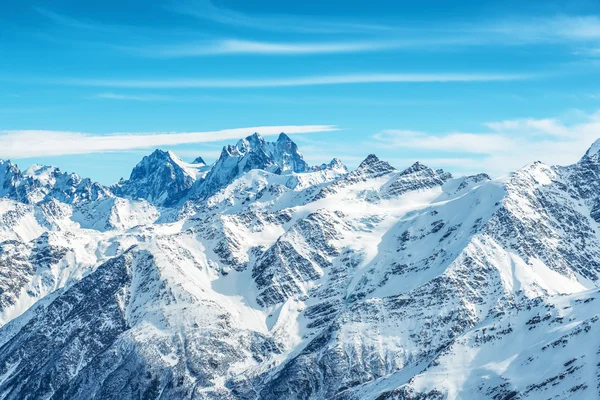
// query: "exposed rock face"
[[334, 165], [160, 178], [260, 277], [42, 183], [251, 153], [199, 160]]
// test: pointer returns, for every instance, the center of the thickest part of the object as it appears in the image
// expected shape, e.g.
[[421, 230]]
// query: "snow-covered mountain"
[[261, 277], [251, 153]]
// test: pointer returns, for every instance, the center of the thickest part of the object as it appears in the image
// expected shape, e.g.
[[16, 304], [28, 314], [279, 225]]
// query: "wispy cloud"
[[134, 97], [565, 28], [287, 82], [510, 145], [269, 99], [207, 10], [531, 126], [452, 142], [237, 46], [36, 143], [580, 32], [234, 46]]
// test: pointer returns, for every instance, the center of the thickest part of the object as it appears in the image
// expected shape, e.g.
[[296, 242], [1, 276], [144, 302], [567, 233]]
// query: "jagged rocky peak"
[[254, 152], [372, 165], [416, 177], [593, 152], [42, 182], [282, 154], [199, 161], [420, 168], [416, 167], [150, 163], [161, 178], [335, 165], [254, 142], [465, 183], [287, 156], [9, 175]]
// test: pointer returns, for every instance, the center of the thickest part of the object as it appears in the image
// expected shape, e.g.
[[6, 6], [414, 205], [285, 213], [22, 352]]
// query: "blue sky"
[[468, 86]]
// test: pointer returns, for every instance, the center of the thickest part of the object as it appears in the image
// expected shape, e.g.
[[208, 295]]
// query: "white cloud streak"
[[565, 28], [237, 46], [511, 144], [579, 31], [36, 143], [452, 142], [234, 46], [318, 80], [206, 10], [551, 127], [141, 97]]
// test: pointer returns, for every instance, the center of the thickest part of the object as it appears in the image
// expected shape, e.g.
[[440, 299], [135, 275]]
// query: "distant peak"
[[335, 164], [250, 143], [283, 138], [371, 159], [255, 137], [150, 162], [36, 169], [159, 152], [199, 160], [593, 150], [416, 167], [372, 164]]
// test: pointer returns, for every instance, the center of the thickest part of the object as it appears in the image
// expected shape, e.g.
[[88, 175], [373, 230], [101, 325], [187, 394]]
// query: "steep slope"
[[524, 352], [119, 333]]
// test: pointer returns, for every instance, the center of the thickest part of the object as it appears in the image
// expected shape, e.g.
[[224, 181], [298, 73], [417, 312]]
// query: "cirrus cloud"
[[316, 80]]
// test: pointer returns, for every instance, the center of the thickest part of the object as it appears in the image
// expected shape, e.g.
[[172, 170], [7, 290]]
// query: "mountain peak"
[[250, 143], [148, 163], [160, 178], [335, 165], [416, 167], [254, 152], [199, 160], [370, 160], [374, 167], [283, 138], [593, 150], [158, 153], [255, 136]]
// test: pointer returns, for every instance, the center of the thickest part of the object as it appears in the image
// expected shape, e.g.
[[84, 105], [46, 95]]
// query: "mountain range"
[[262, 277]]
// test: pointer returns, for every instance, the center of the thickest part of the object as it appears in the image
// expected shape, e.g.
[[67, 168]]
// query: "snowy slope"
[[260, 277]]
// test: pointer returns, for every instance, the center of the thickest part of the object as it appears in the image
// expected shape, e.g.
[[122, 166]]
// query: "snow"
[[386, 280]]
